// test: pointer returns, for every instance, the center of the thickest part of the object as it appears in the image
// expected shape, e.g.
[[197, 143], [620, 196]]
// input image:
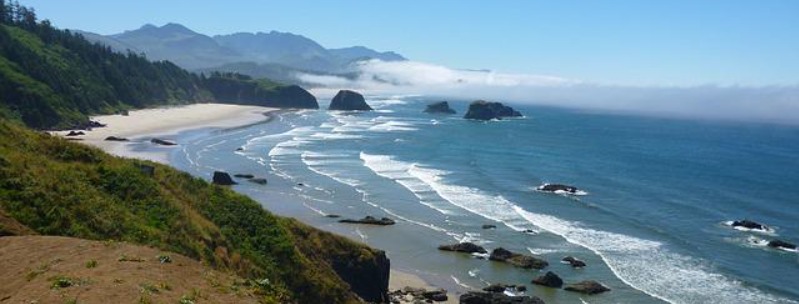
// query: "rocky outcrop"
[[781, 244], [473, 297], [222, 178], [370, 220], [489, 226], [557, 188], [517, 259], [574, 262], [241, 175], [75, 133], [347, 100], [485, 110], [163, 142], [439, 108], [291, 96], [748, 224], [114, 138], [417, 295], [463, 247], [550, 279], [504, 287], [587, 287], [260, 181]]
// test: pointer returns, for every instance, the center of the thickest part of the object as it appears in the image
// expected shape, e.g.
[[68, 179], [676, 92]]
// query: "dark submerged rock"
[[333, 216], [75, 133], [473, 297], [163, 142], [574, 262], [370, 220], [114, 138], [489, 226], [439, 108], [222, 178], [781, 244], [485, 110], [463, 247], [260, 181], [550, 279], [240, 175], [749, 224], [347, 100], [557, 187], [516, 259], [587, 287]]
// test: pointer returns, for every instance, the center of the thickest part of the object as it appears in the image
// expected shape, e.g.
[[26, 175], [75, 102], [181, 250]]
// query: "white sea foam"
[[397, 171], [459, 283], [333, 136], [648, 266], [392, 126], [362, 235]]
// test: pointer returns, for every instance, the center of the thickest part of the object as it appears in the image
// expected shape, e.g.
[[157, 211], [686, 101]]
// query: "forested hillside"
[[51, 78]]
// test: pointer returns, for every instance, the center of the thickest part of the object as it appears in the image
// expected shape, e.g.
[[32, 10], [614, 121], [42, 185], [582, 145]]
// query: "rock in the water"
[[750, 225], [370, 220], [260, 181], [489, 226], [239, 149], [473, 297], [587, 287], [74, 133], [574, 262], [439, 108], [557, 187], [241, 175], [114, 138], [516, 259], [463, 247], [439, 295], [163, 142], [222, 178], [485, 110], [550, 279], [347, 100], [781, 244], [333, 216]]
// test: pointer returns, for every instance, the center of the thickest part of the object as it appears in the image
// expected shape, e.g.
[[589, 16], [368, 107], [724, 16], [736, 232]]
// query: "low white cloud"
[[768, 104]]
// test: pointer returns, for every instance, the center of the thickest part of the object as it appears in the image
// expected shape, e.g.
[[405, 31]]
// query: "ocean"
[[651, 226]]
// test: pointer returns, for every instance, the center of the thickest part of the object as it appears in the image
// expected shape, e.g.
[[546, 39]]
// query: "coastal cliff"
[[51, 186]]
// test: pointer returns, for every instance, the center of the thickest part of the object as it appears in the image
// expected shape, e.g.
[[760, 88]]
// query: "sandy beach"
[[166, 121], [142, 125]]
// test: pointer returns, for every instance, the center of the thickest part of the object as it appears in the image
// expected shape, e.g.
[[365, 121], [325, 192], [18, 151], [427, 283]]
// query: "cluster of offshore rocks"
[[549, 279], [223, 178], [752, 226]]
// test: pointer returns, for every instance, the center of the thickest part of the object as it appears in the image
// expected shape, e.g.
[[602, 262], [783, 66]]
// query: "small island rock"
[[347, 100], [163, 142], [485, 110], [222, 178], [516, 259], [439, 108], [114, 138], [463, 247], [587, 287], [550, 279], [473, 297], [370, 220]]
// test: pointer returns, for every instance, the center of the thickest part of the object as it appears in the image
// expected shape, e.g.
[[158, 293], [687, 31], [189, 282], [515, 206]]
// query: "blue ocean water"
[[651, 226]]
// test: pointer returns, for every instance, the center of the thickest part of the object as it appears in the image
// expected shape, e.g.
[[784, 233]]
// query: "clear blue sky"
[[641, 42]]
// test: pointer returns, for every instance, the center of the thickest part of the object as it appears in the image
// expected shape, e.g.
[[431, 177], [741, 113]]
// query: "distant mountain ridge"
[[195, 51]]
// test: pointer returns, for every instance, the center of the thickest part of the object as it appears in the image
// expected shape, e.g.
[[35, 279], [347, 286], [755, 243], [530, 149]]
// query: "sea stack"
[[439, 108], [347, 100], [486, 110]]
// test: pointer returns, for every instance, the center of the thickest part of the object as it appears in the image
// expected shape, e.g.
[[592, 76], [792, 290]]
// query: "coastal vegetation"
[[51, 186], [52, 78]]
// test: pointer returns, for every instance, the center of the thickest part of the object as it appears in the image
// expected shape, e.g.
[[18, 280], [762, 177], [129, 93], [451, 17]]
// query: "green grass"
[[56, 187]]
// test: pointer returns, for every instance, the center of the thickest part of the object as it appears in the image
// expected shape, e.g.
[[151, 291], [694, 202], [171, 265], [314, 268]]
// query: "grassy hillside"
[[51, 78], [56, 187]]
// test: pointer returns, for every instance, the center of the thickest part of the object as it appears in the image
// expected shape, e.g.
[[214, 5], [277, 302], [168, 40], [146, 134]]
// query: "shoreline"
[[141, 125]]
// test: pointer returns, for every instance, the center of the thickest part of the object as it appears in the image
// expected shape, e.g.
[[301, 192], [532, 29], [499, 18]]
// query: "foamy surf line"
[[642, 264], [649, 267]]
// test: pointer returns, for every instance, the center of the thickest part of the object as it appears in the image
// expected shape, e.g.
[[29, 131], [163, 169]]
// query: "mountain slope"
[[196, 51], [51, 78], [56, 187]]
